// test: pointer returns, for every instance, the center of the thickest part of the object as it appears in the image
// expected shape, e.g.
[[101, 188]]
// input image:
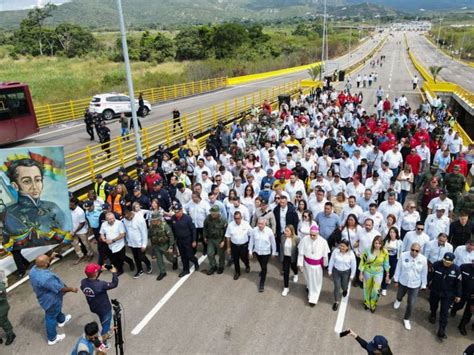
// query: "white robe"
[[313, 274]]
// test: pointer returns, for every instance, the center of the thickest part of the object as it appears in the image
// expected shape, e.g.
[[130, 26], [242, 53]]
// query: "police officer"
[[104, 138], [214, 233], [454, 183], [101, 187], [467, 275], [4, 308], [162, 242], [185, 234], [161, 194], [97, 120], [89, 121], [445, 288], [93, 219]]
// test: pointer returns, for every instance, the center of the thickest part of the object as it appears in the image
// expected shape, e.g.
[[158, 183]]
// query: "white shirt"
[[396, 209], [413, 237], [111, 232], [314, 206], [137, 233], [434, 225], [424, 153], [78, 217], [411, 272], [353, 190], [346, 167], [343, 262], [375, 186], [463, 256], [366, 239], [434, 252], [394, 159], [385, 176], [293, 189], [242, 209], [198, 212], [347, 210], [262, 242], [409, 220], [238, 233], [184, 197], [338, 187], [447, 204]]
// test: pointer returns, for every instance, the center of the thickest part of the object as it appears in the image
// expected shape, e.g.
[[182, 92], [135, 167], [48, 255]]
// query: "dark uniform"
[[163, 197], [4, 308], [459, 234], [214, 235], [467, 300], [445, 286], [427, 176], [104, 137], [176, 120], [185, 234], [162, 242], [466, 203], [454, 183], [89, 121], [424, 197]]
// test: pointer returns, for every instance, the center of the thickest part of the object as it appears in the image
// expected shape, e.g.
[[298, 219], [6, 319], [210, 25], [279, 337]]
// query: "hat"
[[267, 185], [434, 166], [378, 343], [443, 191], [215, 208], [88, 204], [440, 208], [121, 169], [137, 188], [177, 207], [98, 176], [157, 182], [283, 163], [92, 268], [449, 256], [264, 201], [269, 171], [314, 229], [105, 206], [257, 165], [139, 158], [336, 175], [320, 174], [156, 216]]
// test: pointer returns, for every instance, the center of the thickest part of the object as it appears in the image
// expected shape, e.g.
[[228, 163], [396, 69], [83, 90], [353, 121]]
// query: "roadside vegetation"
[[457, 42]]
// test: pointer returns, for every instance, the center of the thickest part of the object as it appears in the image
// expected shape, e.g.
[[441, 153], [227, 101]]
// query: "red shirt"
[[386, 105], [415, 162], [462, 163], [150, 180], [283, 172]]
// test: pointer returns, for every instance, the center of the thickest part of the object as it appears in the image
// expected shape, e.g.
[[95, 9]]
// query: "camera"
[[108, 266]]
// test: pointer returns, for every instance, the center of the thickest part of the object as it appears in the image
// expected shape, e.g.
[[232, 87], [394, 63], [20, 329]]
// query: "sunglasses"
[[420, 229], [415, 250]]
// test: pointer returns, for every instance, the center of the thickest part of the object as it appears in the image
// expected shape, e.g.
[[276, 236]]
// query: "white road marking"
[[163, 301], [342, 311], [389, 85]]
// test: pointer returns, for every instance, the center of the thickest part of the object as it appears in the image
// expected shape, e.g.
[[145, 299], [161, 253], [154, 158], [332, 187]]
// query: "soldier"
[[4, 308], [428, 193], [213, 233], [427, 176], [466, 203], [445, 288], [162, 242], [89, 121], [454, 183]]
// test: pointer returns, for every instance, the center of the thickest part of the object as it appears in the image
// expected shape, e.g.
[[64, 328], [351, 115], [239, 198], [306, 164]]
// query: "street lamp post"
[[323, 49], [128, 70], [439, 32]]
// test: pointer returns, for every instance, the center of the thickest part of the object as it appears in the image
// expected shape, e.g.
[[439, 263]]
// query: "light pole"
[[323, 49], [462, 45], [128, 70], [439, 32], [350, 40]]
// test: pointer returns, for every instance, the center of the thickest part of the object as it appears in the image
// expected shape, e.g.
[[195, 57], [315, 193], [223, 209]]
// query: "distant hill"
[[415, 5], [102, 14]]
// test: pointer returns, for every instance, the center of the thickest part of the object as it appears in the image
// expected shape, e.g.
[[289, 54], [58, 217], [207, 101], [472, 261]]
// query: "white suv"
[[112, 104]]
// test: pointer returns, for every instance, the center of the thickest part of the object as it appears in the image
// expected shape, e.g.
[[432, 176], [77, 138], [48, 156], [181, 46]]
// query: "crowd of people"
[[377, 199]]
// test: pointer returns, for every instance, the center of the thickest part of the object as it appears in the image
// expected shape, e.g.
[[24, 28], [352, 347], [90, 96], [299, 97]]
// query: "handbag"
[[334, 238]]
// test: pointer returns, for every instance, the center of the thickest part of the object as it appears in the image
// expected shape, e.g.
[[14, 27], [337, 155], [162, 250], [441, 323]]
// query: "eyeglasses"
[[415, 250], [420, 229]]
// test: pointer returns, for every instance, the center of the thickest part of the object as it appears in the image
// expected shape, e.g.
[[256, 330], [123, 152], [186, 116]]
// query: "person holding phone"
[[378, 345]]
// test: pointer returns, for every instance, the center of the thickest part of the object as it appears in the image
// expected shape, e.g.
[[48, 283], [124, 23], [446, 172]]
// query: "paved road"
[[427, 54], [215, 314], [73, 136]]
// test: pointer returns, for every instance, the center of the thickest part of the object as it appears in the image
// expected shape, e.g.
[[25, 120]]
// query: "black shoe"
[[247, 269], [236, 276], [212, 270], [462, 329], [21, 275], [261, 288], [10, 339], [220, 270], [335, 306], [161, 277], [344, 293], [138, 274], [366, 307], [1, 341], [184, 273], [432, 318], [149, 270], [442, 335], [175, 265], [312, 304], [453, 312], [196, 266], [372, 310], [132, 266]]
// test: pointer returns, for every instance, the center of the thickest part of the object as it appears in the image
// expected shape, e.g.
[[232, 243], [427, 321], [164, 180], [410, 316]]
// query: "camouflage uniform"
[[162, 242], [4, 308], [466, 203], [214, 232], [454, 183]]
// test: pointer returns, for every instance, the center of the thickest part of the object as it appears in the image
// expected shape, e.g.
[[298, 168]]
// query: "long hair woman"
[[342, 267], [393, 244], [289, 256]]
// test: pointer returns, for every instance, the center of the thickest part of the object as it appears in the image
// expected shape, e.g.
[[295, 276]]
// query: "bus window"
[[13, 104]]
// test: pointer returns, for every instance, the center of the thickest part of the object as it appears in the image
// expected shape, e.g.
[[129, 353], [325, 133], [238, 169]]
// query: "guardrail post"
[[192, 88], [245, 101], [201, 128], [153, 98], [214, 115], [50, 116], [71, 106], [253, 98], [267, 93], [121, 156], [165, 98], [209, 84], [215, 83], [175, 91], [90, 161], [260, 96], [226, 109], [184, 90], [146, 142], [236, 107], [186, 125], [168, 133], [200, 86]]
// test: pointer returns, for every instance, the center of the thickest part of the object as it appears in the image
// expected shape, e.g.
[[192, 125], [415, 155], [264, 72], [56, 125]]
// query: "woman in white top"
[[410, 217], [305, 225], [262, 242], [168, 166], [351, 231], [389, 223], [289, 256], [406, 179], [301, 209], [249, 199], [342, 267], [227, 201], [393, 244]]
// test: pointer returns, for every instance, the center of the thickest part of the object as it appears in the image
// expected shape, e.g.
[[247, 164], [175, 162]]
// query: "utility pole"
[[350, 40], [462, 45], [439, 32], [128, 70], [323, 49]]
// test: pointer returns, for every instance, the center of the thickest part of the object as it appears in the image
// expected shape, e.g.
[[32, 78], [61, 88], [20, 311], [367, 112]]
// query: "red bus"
[[17, 115]]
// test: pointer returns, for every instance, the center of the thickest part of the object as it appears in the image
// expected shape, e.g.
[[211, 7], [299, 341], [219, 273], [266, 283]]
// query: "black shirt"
[[459, 234]]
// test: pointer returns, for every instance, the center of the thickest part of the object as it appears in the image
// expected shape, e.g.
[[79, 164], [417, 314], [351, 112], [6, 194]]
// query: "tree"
[[74, 40], [434, 70], [194, 43], [314, 72], [227, 38], [163, 48]]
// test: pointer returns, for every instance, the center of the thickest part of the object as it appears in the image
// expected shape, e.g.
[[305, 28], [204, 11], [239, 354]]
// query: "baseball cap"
[[105, 206], [269, 171], [283, 163], [443, 191], [378, 343], [267, 185], [156, 216], [121, 169], [449, 256], [258, 165], [88, 204], [440, 208], [98, 176], [215, 208], [158, 182], [177, 207], [137, 188], [139, 158], [92, 268]]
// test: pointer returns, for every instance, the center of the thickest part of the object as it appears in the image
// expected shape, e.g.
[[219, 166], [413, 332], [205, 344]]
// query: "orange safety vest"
[[116, 206]]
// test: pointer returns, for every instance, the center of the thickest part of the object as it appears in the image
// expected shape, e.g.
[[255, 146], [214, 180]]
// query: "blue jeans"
[[53, 316], [124, 131], [105, 321]]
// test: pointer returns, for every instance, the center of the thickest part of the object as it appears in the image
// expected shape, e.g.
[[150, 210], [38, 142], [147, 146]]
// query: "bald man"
[[50, 290]]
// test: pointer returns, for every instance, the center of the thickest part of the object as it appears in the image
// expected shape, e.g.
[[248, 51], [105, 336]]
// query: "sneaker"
[[384, 293], [335, 306], [407, 324], [295, 278], [285, 291], [396, 304], [138, 274], [66, 320], [344, 293], [149, 270], [59, 338], [10, 339]]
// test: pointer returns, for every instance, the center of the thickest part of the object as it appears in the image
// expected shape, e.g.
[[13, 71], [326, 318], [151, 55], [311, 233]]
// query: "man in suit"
[[285, 214]]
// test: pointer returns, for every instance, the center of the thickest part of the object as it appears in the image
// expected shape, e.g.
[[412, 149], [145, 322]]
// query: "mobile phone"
[[344, 333]]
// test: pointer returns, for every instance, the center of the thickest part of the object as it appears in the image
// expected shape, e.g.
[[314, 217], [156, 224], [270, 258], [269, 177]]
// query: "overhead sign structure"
[[34, 200]]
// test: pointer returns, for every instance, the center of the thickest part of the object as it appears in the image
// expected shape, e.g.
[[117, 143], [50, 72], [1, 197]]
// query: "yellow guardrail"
[[83, 165], [52, 114]]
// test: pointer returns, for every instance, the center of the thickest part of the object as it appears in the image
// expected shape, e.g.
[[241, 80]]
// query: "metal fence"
[[62, 112]]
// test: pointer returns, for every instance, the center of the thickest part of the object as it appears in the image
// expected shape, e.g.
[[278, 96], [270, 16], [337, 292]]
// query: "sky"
[[7, 5]]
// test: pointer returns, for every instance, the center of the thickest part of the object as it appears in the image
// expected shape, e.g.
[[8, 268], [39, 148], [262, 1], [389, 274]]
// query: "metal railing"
[[62, 112], [83, 165]]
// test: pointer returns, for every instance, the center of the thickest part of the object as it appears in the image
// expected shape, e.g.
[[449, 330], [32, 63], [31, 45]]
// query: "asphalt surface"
[[74, 137], [428, 55], [215, 314]]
